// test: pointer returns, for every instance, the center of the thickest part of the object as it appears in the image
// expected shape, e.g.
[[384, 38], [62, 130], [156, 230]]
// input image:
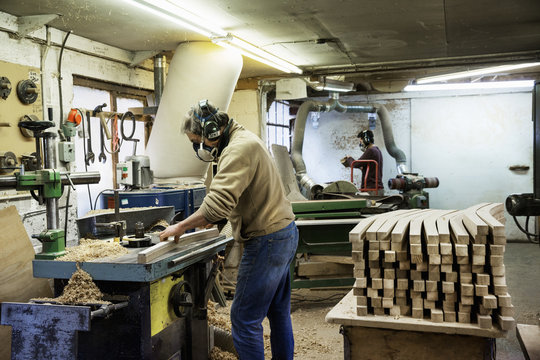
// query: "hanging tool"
[[89, 158], [98, 111], [102, 157]]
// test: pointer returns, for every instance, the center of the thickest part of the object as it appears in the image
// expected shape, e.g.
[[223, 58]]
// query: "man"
[[371, 152], [247, 190]]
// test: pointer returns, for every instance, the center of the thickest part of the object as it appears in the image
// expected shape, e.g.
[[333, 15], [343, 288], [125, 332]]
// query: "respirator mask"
[[204, 152], [362, 146]]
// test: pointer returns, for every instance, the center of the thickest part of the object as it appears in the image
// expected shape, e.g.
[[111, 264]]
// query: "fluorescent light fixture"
[[524, 84], [477, 72], [251, 51], [170, 11]]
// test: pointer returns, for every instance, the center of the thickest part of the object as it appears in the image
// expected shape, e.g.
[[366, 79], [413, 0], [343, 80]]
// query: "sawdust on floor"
[[89, 249]]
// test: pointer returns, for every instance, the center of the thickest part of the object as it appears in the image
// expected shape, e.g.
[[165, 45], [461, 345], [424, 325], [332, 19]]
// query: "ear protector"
[[367, 136], [210, 128]]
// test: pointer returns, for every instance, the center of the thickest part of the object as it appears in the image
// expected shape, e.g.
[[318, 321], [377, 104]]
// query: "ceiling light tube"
[[171, 12], [524, 84], [256, 53], [477, 72]]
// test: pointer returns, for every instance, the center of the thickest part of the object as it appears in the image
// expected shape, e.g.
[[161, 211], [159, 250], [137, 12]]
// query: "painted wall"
[[244, 108], [467, 140]]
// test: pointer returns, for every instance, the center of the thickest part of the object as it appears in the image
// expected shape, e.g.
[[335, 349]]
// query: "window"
[[87, 98], [278, 125]]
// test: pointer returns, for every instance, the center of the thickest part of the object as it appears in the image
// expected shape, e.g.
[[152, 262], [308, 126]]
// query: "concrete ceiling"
[[366, 41]]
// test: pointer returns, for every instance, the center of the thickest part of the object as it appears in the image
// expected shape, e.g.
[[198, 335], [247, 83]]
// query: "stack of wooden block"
[[442, 265]]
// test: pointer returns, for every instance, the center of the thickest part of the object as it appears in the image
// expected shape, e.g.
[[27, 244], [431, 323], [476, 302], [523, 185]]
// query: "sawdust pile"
[[89, 249], [220, 320], [79, 290], [161, 222], [218, 354]]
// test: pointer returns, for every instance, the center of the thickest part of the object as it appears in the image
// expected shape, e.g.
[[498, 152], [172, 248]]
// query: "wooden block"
[[449, 316], [486, 213], [506, 311], [359, 272], [480, 290], [451, 297], [447, 259], [482, 279], [376, 302], [357, 245], [389, 293], [499, 240], [447, 287], [377, 283], [497, 270], [465, 278], [360, 283], [402, 274], [446, 267], [432, 295], [434, 259], [500, 289], [312, 268], [462, 260], [355, 255], [437, 315], [388, 283], [464, 308], [415, 249], [417, 313], [496, 260], [389, 273], [155, 251], [467, 300], [374, 245], [496, 249], [400, 293], [478, 259], [418, 303], [451, 276], [443, 227], [387, 265], [372, 293], [432, 249], [395, 311], [360, 264], [401, 301], [423, 266], [359, 291], [361, 310], [379, 311], [404, 265], [415, 294], [478, 269], [415, 275], [504, 300], [361, 300], [431, 285], [474, 224], [449, 305], [483, 311], [405, 310], [464, 318], [419, 285], [499, 280], [373, 255], [390, 256], [402, 256], [429, 304], [434, 276], [384, 245], [374, 272], [445, 248], [465, 268], [430, 226], [461, 250], [479, 249], [467, 289], [484, 321], [403, 284], [458, 232], [489, 301], [387, 303], [417, 258], [505, 322]]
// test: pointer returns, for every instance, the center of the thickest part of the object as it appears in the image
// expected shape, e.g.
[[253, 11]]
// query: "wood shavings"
[[217, 319], [80, 289], [161, 222], [218, 354], [89, 249]]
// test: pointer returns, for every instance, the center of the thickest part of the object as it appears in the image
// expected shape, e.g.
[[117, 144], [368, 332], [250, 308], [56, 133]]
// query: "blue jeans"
[[263, 289]]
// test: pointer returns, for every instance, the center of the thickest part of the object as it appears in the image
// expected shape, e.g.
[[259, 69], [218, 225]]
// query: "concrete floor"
[[522, 261]]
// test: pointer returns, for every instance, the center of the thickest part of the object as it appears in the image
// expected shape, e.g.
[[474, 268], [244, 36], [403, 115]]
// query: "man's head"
[[366, 137], [204, 125]]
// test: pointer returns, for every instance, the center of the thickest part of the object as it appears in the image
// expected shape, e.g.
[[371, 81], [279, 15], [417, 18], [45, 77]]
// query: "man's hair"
[[192, 120]]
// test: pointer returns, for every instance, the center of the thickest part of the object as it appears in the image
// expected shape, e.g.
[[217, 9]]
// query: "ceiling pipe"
[[334, 104]]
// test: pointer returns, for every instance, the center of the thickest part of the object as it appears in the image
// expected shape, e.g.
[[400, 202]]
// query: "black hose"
[[124, 116], [532, 237], [84, 149], [60, 77], [67, 213], [98, 195]]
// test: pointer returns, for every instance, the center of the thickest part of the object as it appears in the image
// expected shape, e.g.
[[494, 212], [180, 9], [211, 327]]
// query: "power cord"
[[534, 238]]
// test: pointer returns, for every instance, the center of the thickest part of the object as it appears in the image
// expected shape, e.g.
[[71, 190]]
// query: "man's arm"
[[193, 221]]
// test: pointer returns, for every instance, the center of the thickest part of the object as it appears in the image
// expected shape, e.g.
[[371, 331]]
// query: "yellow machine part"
[[161, 311]]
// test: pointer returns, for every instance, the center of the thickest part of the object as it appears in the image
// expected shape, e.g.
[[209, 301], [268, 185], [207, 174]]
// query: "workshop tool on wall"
[[89, 158], [5, 87], [98, 111], [102, 157]]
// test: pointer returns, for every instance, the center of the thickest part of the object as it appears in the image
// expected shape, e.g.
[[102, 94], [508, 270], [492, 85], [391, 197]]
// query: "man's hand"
[[175, 230]]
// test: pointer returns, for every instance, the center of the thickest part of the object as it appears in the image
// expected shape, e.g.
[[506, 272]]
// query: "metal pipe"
[[159, 77], [49, 160], [388, 135], [91, 177]]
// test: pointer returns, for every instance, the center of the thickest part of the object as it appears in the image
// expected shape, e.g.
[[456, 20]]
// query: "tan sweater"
[[247, 188]]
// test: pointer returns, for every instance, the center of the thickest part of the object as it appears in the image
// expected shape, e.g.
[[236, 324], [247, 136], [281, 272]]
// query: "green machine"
[[46, 185]]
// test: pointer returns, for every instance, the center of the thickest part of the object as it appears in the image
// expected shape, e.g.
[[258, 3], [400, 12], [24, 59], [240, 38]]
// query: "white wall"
[[81, 57], [467, 140]]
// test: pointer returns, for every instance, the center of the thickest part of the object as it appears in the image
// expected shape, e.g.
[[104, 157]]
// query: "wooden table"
[[389, 337], [529, 339]]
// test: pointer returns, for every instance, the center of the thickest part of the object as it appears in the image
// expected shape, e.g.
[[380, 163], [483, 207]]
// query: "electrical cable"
[[60, 77], [98, 195], [534, 238], [124, 116]]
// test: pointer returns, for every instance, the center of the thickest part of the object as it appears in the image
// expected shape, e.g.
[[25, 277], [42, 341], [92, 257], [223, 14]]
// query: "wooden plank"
[[313, 268], [474, 223], [371, 232], [528, 336], [443, 227], [333, 258], [430, 226], [400, 229], [458, 232], [486, 213], [164, 247], [384, 232], [415, 227]]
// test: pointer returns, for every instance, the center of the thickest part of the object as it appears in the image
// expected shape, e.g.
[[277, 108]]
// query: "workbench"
[[389, 337], [147, 328]]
